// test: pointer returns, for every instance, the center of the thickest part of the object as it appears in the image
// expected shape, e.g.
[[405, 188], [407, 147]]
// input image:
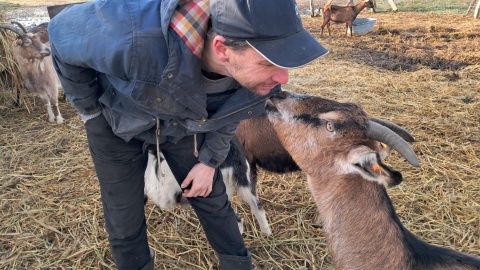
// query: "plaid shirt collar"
[[190, 22]]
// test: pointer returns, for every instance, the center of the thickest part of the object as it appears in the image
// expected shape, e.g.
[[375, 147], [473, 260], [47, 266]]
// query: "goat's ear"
[[383, 149], [44, 37]]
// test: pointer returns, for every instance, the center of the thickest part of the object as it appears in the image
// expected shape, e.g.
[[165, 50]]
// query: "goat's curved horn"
[[395, 128], [20, 25], [12, 28], [378, 132]]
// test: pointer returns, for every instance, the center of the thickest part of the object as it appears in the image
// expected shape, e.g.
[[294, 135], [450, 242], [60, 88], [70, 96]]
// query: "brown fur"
[[345, 15], [362, 228]]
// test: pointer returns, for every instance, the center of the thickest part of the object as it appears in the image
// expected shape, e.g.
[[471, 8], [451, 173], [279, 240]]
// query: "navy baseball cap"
[[272, 27]]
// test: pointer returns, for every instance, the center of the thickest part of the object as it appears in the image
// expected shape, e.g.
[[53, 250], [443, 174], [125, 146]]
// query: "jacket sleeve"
[[85, 39], [217, 145], [80, 85]]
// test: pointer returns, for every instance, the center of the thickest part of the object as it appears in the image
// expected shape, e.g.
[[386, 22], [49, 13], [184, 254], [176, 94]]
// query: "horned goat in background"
[[163, 189], [41, 31], [340, 150], [37, 73]]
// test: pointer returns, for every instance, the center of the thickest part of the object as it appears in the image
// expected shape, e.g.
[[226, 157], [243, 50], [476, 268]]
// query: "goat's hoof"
[[59, 120]]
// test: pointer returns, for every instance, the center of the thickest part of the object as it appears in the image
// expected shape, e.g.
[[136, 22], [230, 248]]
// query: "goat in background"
[[41, 31], [37, 73], [337, 146], [345, 15]]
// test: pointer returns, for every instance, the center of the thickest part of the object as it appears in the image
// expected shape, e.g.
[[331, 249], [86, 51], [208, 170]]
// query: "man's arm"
[[80, 85], [85, 39]]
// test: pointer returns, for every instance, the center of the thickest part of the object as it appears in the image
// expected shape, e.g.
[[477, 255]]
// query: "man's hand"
[[201, 178]]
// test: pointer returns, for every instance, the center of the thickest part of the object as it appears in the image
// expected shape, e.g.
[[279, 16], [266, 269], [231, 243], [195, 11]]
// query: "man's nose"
[[281, 76]]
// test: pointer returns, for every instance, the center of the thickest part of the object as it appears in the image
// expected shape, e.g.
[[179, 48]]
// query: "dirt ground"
[[421, 71]]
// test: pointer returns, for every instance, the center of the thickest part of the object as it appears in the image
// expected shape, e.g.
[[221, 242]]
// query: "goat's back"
[[428, 256], [262, 146]]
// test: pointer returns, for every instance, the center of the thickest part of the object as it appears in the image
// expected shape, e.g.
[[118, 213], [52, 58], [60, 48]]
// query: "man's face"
[[254, 72]]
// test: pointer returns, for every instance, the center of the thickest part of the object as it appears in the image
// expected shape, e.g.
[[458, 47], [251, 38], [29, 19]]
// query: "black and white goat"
[[338, 147], [163, 190]]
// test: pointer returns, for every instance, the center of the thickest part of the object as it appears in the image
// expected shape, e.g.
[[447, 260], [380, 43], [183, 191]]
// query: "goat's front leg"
[[323, 26], [54, 101], [58, 115], [46, 99], [51, 115]]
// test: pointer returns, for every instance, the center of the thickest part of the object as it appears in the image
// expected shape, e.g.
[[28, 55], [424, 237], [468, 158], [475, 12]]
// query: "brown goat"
[[263, 148], [37, 73], [335, 146], [345, 15]]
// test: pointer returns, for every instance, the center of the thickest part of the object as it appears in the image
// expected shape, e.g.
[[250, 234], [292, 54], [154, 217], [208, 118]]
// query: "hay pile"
[[423, 74]]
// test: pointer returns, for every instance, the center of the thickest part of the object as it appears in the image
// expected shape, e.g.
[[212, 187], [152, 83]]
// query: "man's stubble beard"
[[249, 88]]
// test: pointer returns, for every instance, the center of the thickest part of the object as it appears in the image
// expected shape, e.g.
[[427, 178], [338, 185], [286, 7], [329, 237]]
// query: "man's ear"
[[219, 48]]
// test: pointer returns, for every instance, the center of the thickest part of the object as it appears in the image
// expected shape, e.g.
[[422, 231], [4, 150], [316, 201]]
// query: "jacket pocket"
[[152, 96], [124, 117]]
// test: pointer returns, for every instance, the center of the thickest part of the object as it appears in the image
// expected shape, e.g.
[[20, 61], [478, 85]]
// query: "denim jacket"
[[121, 58]]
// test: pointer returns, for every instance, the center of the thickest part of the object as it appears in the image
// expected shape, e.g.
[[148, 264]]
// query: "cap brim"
[[291, 52]]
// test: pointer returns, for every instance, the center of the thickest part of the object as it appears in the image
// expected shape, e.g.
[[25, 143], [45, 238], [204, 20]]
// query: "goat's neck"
[[359, 7], [359, 221], [364, 232]]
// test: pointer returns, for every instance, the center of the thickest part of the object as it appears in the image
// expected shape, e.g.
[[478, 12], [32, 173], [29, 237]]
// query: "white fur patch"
[[163, 190]]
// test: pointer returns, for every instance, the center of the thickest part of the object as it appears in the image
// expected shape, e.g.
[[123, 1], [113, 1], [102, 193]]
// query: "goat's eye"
[[329, 126]]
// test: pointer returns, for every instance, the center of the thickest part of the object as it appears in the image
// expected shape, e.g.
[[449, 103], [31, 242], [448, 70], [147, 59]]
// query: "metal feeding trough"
[[362, 26]]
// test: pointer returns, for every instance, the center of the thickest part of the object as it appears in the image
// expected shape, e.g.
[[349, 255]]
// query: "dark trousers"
[[120, 168]]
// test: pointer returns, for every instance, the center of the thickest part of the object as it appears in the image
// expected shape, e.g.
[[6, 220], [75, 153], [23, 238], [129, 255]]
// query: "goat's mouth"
[[375, 170]]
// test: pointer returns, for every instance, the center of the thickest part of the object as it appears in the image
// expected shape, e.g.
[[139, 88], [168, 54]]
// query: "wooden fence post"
[[329, 2], [312, 9], [392, 4], [477, 11], [470, 6]]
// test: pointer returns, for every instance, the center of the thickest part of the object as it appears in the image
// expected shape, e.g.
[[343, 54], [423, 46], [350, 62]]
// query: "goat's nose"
[[45, 52], [282, 95]]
